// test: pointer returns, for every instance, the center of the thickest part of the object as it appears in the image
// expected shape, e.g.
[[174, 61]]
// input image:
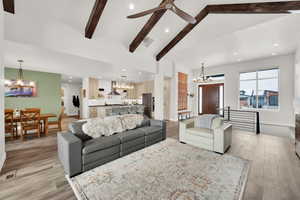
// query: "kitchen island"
[[102, 111]]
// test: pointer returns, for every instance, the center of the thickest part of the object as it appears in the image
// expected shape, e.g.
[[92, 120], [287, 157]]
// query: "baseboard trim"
[[276, 124], [2, 161]]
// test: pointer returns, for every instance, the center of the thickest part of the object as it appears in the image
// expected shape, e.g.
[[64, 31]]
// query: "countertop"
[[115, 105]]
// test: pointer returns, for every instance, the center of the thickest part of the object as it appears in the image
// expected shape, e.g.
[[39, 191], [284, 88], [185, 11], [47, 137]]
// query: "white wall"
[[85, 100], [297, 81], [71, 89], [273, 122], [2, 136], [159, 93]]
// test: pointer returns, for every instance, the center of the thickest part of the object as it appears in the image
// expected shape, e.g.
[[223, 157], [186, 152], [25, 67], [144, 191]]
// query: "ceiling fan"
[[167, 5]]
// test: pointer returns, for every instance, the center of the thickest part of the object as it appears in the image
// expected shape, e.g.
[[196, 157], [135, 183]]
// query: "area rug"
[[168, 170]]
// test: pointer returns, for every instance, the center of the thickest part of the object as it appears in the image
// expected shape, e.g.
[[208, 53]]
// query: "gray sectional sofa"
[[79, 153]]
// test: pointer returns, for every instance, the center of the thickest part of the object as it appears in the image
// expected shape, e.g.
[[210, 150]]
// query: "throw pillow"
[[83, 137], [95, 128]]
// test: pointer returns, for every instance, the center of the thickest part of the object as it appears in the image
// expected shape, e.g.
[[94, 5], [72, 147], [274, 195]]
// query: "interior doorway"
[[211, 98]]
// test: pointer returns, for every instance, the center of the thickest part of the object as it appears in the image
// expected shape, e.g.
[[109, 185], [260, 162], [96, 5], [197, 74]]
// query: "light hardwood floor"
[[32, 170]]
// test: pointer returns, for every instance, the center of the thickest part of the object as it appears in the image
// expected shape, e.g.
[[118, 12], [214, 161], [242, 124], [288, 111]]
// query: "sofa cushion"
[[148, 130], [130, 135], [98, 155], [100, 143], [202, 132], [86, 167], [154, 137]]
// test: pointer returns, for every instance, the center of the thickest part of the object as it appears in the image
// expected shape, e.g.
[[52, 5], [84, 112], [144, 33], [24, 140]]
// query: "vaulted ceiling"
[[60, 25]]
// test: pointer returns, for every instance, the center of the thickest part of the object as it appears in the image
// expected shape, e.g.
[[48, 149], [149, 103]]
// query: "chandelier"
[[202, 78], [20, 78]]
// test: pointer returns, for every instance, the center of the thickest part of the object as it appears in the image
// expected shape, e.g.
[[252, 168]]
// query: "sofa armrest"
[[161, 123], [154, 122], [69, 152], [222, 138]]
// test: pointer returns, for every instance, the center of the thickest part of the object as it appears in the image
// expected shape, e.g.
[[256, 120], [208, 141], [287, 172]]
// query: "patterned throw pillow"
[[113, 125], [95, 128], [131, 121]]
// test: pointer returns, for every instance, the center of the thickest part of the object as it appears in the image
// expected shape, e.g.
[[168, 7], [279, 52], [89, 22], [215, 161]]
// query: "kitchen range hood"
[[113, 90]]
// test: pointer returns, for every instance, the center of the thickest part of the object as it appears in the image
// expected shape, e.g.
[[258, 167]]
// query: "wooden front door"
[[210, 101]]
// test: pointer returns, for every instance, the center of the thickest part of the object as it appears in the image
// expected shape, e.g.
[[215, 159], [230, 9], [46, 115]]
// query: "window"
[[259, 89]]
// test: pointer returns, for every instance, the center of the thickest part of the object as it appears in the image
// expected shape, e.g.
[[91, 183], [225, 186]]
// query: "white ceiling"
[[56, 27], [71, 79], [41, 59]]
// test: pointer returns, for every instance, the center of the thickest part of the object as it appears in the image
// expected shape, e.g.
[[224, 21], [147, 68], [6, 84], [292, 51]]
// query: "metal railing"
[[242, 119]]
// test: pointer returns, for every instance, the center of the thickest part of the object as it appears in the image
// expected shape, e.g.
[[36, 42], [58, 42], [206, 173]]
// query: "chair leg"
[[12, 133], [39, 131], [22, 134], [17, 132]]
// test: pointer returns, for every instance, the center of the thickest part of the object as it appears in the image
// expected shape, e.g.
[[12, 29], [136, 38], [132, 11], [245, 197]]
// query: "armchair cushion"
[[202, 132]]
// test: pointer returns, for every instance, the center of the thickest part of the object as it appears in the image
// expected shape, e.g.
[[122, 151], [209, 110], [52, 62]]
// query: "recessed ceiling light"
[[274, 54], [167, 30], [131, 6], [275, 44], [235, 53], [124, 70]]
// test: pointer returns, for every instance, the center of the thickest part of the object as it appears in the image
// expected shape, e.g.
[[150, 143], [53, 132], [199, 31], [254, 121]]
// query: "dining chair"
[[10, 125], [30, 121], [59, 120], [33, 109], [36, 109]]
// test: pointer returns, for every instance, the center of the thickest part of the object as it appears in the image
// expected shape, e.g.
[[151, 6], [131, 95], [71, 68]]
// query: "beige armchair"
[[217, 139]]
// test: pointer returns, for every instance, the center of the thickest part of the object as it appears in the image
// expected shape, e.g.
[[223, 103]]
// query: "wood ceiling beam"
[[9, 6], [188, 28], [248, 8], [94, 18], [146, 29], [255, 8]]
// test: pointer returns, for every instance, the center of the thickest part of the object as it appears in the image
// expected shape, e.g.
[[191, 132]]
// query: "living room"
[[185, 98]]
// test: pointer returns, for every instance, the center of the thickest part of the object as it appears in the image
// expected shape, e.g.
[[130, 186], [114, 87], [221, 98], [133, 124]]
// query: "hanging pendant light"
[[20, 78], [202, 78]]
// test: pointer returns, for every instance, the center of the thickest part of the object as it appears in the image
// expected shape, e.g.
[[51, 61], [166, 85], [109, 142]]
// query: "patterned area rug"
[[168, 170]]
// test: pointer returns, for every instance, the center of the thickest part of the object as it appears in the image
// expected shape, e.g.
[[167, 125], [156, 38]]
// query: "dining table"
[[44, 118]]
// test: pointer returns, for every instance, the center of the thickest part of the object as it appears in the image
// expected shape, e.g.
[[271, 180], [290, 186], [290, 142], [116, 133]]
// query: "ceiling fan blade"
[[147, 12], [183, 14]]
